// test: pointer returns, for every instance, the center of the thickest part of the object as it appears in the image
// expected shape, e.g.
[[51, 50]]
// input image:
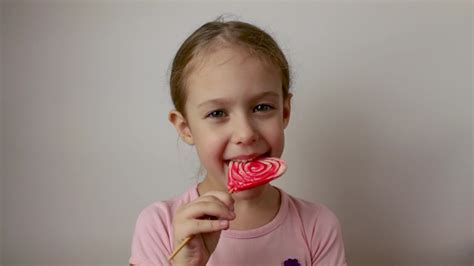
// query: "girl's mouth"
[[267, 154]]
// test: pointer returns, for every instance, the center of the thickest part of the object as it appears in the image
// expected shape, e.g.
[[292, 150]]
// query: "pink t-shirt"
[[301, 232]]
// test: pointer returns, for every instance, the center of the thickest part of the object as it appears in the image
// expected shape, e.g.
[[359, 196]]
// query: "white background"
[[381, 129]]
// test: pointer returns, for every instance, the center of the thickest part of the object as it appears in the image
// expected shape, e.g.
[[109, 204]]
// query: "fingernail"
[[231, 207], [223, 223]]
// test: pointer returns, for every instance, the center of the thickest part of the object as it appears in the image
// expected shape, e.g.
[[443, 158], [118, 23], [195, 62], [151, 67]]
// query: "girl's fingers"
[[213, 203], [201, 209], [220, 196], [197, 226], [209, 213]]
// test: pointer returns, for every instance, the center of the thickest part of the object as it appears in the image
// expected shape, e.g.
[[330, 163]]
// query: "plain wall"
[[381, 129], [1, 139]]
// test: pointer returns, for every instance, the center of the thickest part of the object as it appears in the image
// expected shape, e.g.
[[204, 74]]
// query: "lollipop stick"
[[185, 241]]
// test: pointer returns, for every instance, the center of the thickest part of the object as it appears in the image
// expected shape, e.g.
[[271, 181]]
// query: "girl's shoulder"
[[163, 211], [311, 213], [152, 239], [321, 229]]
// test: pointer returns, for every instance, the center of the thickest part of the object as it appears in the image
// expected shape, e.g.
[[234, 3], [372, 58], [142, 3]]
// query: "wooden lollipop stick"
[[185, 241]]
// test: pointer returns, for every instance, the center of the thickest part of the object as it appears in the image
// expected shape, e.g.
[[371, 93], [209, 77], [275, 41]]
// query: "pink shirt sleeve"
[[151, 239], [327, 246]]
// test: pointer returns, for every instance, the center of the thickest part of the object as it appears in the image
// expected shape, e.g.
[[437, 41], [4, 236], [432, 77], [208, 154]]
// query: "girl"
[[230, 88]]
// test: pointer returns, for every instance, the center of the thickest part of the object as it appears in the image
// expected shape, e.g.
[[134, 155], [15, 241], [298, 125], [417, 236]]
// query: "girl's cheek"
[[276, 139], [215, 144]]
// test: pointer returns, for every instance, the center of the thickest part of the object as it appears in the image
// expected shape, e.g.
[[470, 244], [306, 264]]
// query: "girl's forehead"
[[230, 72], [218, 57]]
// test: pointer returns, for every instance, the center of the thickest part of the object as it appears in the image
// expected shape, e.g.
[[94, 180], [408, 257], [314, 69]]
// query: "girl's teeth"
[[263, 155]]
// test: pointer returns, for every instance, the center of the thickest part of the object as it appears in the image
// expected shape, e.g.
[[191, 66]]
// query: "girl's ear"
[[182, 126], [287, 110]]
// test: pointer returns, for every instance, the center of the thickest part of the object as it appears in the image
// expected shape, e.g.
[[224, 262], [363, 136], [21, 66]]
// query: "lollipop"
[[250, 174], [243, 175]]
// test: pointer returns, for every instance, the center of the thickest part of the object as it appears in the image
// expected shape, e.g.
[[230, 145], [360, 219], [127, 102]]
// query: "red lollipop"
[[250, 174]]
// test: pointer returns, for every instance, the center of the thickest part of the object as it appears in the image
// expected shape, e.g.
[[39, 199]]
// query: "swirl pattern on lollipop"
[[246, 175]]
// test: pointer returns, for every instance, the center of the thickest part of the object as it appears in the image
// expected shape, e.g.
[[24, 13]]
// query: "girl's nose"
[[244, 133]]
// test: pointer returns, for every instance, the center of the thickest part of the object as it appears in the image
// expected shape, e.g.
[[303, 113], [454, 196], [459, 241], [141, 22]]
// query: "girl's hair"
[[216, 34]]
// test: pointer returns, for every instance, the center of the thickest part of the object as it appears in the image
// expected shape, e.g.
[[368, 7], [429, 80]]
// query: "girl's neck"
[[255, 212], [253, 208]]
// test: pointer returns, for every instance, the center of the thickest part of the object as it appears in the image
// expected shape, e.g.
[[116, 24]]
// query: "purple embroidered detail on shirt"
[[291, 262]]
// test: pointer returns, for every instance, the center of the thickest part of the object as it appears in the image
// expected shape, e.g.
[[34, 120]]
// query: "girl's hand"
[[204, 218]]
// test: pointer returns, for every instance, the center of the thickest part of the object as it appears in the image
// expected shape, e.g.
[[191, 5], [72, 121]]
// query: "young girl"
[[230, 88]]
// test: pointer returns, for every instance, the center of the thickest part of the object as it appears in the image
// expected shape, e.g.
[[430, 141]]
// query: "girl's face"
[[235, 111]]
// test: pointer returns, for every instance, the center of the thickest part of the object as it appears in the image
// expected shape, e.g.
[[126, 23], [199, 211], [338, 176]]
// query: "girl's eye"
[[263, 108], [215, 114]]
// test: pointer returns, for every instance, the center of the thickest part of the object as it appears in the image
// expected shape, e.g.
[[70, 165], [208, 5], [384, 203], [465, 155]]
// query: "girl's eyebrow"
[[223, 101], [217, 101]]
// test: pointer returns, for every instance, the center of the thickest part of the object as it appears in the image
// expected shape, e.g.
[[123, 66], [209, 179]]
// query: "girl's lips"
[[245, 157], [251, 157]]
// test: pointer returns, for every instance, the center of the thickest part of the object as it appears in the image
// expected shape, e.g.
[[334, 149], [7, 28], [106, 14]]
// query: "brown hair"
[[212, 34]]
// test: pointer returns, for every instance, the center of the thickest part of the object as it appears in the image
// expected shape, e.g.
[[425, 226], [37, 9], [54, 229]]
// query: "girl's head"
[[215, 35], [230, 88]]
